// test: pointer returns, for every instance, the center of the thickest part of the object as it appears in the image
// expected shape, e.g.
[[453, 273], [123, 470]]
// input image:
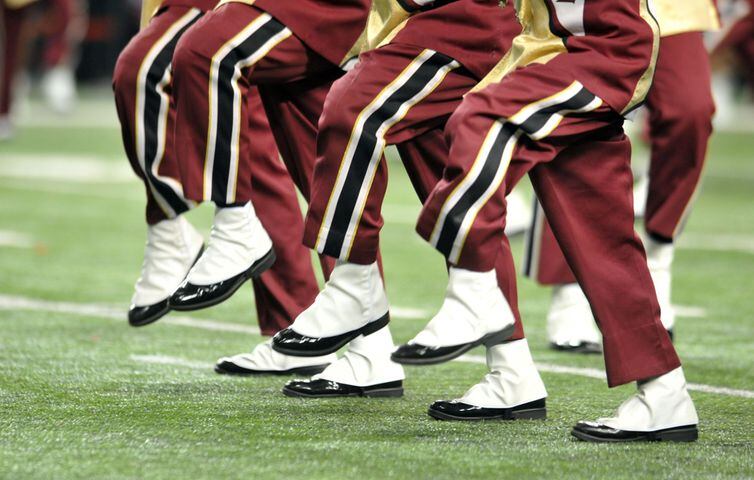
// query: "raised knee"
[[461, 115], [341, 110], [192, 50], [127, 69]]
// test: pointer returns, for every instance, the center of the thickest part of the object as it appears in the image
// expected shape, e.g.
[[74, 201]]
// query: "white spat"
[[600, 375]]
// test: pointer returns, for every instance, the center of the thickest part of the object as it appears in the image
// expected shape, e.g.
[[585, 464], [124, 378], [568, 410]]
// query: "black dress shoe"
[[322, 388], [230, 368], [596, 432], [583, 347], [195, 297], [289, 342], [140, 316], [454, 410], [417, 354]]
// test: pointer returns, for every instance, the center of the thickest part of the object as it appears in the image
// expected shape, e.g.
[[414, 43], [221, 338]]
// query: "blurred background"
[[55, 51], [53, 48]]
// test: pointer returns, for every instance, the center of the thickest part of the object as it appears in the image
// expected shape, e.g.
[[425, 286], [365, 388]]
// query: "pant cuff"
[[638, 354]]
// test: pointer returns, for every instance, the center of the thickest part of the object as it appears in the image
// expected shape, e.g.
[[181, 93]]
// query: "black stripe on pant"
[[366, 145], [153, 103], [225, 101], [531, 125]]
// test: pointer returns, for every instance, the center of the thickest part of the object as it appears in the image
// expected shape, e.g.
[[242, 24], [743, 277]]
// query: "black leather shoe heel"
[[445, 410], [289, 342], [322, 388], [595, 432], [141, 316], [190, 297], [417, 354]]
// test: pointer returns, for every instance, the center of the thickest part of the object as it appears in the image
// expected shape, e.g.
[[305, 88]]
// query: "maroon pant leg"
[[11, 25], [391, 95], [58, 47], [680, 105], [417, 135], [146, 113], [289, 286], [580, 169], [216, 63], [294, 110]]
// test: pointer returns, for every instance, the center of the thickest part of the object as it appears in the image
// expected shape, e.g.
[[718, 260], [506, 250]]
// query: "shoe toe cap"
[[139, 316]]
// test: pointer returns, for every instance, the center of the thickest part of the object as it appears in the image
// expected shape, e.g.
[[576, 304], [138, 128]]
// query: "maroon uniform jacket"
[[476, 33]]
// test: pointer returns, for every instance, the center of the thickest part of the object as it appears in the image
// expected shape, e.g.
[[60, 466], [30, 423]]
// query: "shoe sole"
[[377, 393], [256, 269], [529, 414], [308, 371], [682, 434], [489, 340], [366, 330]]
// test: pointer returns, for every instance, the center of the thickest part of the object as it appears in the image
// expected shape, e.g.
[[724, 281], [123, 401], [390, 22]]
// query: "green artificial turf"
[[77, 401]]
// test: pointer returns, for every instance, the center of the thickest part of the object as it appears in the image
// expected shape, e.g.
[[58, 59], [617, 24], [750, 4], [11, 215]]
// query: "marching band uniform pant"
[[680, 108], [142, 84], [232, 51], [541, 121], [11, 25], [397, 94]]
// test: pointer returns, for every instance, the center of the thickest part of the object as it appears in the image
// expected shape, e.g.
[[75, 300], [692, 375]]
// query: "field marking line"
[[9, 238], [409, 313], [689, 311], [12, 302], [717, 242], [172, 361], [129, 193], [600, 375], [65, 168]]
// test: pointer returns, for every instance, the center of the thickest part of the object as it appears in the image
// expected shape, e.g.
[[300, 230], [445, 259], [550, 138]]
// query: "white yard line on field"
[[173, 361], [89, 113], [409, 313], [127, 191], [11, 302], [717, 242], [689, 311], [65, 168], [10, 238], [600, 375]]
